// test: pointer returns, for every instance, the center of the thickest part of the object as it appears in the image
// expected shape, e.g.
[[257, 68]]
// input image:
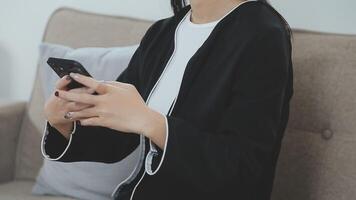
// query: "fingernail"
[[68, 78], [56, 93], [74, 75]]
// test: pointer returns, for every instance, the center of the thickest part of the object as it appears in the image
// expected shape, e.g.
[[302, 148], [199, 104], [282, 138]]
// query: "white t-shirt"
[[189, 38]]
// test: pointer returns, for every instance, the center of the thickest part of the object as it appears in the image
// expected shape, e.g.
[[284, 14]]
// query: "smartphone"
[[64, 67]]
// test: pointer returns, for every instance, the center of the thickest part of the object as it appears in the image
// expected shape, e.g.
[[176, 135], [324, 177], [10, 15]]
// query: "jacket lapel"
[[194, 66], [166, 54]]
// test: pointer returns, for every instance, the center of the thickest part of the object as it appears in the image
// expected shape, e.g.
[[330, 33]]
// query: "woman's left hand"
[[118, 106]]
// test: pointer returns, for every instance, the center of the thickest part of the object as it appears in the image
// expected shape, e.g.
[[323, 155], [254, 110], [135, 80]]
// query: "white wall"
[[336, 16], [22, 23]]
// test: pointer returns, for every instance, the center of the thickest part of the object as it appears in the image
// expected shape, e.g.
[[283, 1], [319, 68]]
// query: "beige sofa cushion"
[[28, 158], [75, 29], [325, 79], [312, 168], [21, 190], [318, 160], [10, 117]]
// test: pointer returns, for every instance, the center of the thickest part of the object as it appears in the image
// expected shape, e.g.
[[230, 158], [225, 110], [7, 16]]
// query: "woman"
[[206, 94]]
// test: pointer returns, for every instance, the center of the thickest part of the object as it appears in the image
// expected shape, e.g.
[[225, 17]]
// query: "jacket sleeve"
[[89, 143], [242, 145]]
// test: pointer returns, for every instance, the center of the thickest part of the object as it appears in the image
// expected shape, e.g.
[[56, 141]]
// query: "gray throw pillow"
[[84, 180]]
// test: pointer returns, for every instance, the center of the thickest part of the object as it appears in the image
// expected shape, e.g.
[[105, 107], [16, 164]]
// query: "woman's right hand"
[[56, 108]]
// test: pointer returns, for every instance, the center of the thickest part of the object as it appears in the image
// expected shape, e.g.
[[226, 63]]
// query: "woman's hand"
[[56, 108], [117, 106]]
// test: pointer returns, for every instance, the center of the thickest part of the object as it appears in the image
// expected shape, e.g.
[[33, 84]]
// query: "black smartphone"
[[64, 67]]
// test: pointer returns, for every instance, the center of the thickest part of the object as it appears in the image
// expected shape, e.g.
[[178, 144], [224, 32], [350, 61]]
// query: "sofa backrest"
[[318, 156], [75, 29], [317, 160]]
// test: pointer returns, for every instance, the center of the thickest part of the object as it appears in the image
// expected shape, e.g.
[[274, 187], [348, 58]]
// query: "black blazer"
[[226, 127]]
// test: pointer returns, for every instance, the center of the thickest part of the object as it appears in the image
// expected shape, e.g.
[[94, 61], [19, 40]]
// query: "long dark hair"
[[177, 5]]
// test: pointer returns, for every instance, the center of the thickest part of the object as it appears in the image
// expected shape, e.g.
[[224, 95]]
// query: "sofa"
[[318, 154]]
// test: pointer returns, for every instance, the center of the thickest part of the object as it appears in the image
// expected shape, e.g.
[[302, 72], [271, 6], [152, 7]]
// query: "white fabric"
[[189, 38], [83, 180]]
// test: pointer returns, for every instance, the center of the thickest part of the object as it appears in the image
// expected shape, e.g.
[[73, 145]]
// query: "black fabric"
[[227, 125], [55, 142]]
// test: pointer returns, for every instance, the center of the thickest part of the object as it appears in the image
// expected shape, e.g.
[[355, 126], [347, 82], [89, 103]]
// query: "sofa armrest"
[[11, 114]]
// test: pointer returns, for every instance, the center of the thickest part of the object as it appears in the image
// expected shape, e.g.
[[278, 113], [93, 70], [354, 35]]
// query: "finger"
[[63, 82], [83, 90], [94, 121], [75, 106], [113, 83], [89, 82], [83, 114], [118, 84], [77, 97]]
